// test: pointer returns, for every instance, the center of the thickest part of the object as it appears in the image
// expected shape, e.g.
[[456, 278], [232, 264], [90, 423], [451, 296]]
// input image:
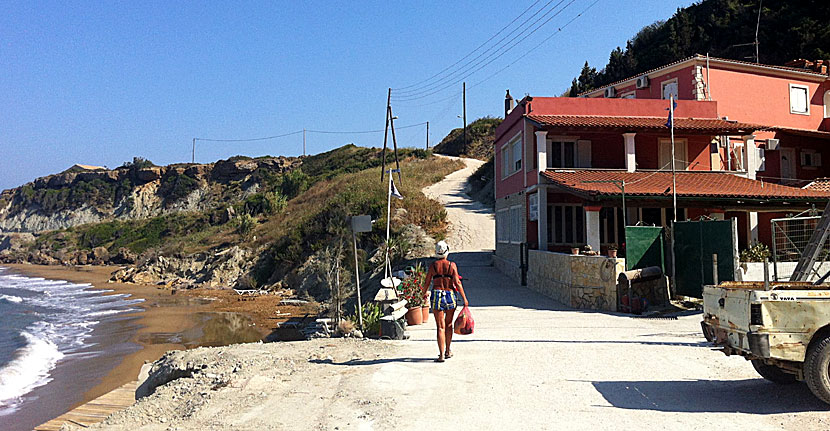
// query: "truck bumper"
[[757, 345]]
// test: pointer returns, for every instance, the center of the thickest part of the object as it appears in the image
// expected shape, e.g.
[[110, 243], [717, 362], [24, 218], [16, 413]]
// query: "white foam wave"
[[28, 370], [11, 298], [115, 311]]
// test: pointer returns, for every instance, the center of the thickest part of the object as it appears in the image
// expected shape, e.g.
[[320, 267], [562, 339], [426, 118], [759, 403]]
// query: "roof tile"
[[707, 125]]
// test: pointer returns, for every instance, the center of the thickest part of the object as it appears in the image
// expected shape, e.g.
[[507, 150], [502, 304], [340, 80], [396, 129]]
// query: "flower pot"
[[414, 316], [425, 314], [574, 250], [612, 253]]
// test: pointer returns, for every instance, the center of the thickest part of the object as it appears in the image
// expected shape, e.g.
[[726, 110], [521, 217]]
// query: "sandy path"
[[472, 226]]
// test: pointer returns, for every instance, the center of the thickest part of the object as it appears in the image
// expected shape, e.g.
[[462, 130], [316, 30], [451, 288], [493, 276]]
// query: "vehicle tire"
[[773, 373], [817, 369]]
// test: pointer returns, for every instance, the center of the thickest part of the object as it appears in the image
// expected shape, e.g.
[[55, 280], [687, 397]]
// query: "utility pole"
[[427, 135], [193, 154], [304, 142], [464, 102]]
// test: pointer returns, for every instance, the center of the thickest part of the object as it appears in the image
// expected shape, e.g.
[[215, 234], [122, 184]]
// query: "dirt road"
[[531, 364]]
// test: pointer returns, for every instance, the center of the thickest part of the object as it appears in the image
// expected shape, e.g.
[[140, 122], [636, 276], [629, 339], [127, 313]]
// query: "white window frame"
[[629, 95], [663, 88], [515, 216], [806, 98], [561, 139], [815, 159], [508, 154], [502, 226], [827, 104]]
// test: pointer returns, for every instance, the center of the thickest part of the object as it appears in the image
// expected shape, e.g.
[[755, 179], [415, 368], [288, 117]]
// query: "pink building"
[[748, 138]]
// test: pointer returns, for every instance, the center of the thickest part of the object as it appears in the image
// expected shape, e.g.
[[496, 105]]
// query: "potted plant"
[[574, 250], [414, 300], [612, 250], [419, 273]]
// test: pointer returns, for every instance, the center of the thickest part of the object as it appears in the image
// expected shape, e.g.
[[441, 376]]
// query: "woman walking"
[[446, 285]]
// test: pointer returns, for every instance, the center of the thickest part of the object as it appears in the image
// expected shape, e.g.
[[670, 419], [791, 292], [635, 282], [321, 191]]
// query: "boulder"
[[99, 255], [15, 241]]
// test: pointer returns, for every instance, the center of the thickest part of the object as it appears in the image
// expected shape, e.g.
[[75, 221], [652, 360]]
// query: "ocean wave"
[[11, 298], [29, 369], [113, 311]]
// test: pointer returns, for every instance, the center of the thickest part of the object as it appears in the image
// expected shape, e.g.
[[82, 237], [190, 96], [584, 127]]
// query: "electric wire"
[[489, 59], [418, 87], [343, 132], [471, 52]]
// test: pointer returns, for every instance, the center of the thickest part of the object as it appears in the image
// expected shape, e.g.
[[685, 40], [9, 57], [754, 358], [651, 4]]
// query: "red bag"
[[464, 323]]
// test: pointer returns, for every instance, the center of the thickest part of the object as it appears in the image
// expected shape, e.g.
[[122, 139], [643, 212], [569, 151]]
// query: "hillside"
[[240, 222], [788, 30], [481, 134]]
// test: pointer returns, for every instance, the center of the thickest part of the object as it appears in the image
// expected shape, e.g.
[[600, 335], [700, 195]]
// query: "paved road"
[[534, 364]]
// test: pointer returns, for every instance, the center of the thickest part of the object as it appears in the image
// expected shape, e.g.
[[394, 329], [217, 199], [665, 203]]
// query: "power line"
[[363, 131], [344, 132], [491, 58], [471, 52], [251, 139], [487, 52]]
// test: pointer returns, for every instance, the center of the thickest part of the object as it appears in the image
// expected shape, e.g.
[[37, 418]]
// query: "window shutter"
[[817, 159], [583, 154], [803, 155]]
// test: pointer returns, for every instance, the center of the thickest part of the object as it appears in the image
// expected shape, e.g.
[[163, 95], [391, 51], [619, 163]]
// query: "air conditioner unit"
[[642, 82], [610, 92], [772, 144]]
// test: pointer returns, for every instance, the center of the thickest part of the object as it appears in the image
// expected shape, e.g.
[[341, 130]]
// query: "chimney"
[[509, 103]]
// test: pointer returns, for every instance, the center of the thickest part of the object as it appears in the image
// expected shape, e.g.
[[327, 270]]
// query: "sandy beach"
[[170, 320]]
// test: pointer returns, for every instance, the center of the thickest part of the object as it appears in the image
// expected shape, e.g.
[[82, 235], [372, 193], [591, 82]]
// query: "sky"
[[102, 82]]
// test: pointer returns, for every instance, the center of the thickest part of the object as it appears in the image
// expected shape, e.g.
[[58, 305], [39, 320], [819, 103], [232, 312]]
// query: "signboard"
[[533, 206], [361, 223]]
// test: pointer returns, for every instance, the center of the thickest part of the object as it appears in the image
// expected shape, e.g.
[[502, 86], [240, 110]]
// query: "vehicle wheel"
[[817, 369], [773, 373]]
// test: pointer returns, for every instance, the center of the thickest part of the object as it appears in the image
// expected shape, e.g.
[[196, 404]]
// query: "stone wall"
[[585, 282]]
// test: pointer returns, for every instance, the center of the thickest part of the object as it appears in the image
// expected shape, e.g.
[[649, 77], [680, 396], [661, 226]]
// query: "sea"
[[47, 337]]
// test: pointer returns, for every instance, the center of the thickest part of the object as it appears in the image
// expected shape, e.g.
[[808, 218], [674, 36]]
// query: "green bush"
[[756, 253], [176, 187], [372, 313]]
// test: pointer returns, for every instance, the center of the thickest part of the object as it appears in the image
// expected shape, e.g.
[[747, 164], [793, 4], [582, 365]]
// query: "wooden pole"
[[427, 135], [464, 102], [193, 153], [385, 134], [304, 153]]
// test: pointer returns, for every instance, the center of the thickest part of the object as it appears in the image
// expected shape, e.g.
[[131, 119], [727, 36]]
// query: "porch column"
[[542, 221], [753, 227], [542, 152], [750, 156], [592, 226], [630, 156]]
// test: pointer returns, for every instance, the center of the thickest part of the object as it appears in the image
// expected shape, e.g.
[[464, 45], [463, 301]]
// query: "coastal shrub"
[[263, 203], [95, 192], [245, 224], [372, 313], [176, 187], [138, 163], [293, 183]]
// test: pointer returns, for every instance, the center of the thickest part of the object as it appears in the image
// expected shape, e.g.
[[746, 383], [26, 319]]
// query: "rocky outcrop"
[[144, 198], [218, 268]]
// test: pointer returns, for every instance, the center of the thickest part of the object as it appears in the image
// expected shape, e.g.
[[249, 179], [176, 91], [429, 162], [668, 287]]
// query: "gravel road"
[[531, 364]]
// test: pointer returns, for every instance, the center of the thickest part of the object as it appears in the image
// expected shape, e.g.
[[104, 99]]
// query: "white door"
[[787, 162]]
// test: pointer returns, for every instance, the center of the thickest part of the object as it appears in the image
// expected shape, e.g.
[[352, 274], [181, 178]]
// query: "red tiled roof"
[[690, 184], [819, 184], [700, 125], [801, 132]]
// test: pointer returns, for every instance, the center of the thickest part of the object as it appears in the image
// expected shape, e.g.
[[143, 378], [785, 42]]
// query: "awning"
[[698, 185], [698, 126]]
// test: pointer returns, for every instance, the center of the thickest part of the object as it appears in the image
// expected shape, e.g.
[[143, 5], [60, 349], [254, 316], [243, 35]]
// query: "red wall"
[[620, 107]]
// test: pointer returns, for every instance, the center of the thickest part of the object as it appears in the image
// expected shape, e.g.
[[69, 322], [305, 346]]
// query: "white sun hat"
[[442, 249]]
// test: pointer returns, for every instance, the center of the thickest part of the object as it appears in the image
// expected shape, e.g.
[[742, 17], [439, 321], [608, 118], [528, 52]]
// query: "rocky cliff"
[[74, 198]]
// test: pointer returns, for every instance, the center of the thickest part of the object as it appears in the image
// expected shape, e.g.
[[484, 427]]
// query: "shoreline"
[[170, 320]]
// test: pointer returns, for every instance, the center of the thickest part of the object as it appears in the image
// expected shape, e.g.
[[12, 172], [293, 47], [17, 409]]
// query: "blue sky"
[[101, 82]]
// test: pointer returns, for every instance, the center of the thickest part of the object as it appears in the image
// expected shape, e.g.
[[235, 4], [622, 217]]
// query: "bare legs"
[[443, 323]]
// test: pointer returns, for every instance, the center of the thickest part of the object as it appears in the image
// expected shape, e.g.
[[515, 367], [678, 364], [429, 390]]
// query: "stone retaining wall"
[[585, 282]]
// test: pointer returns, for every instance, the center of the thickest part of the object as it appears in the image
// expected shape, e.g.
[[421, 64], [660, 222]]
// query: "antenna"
[[757, 28]]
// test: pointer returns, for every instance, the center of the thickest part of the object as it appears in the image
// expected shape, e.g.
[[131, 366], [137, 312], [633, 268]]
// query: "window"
[[611, 228], [827, 104], [511, 154], [810, 159], [681, 157], [670, 89], [799, 99], [509, 224], [629, 95], [566, 224]]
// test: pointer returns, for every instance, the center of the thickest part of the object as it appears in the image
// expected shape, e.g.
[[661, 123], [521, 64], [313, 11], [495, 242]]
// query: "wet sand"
[[169, 321]]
